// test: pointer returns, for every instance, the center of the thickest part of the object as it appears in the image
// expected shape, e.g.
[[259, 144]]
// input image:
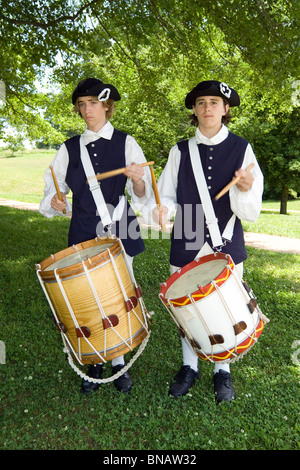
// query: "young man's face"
[[92, 111], [209, 111]]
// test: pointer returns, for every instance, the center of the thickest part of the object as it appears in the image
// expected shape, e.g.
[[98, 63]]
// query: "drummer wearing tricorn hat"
[[107, 149], [223, 155]]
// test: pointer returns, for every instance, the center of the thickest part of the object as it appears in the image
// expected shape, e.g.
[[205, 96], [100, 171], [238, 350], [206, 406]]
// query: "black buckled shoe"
[[94, 371], [223, 388], [183, 381], [124, 382]]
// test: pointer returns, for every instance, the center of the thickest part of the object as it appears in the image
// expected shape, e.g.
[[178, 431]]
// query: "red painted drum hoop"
[[201, 292]]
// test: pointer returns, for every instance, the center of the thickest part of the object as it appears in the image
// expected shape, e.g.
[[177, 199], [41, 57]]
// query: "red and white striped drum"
[[214, 309]]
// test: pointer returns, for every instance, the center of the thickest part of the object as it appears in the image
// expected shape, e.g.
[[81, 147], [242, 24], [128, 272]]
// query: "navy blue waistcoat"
[[86, 224], [219, 163]]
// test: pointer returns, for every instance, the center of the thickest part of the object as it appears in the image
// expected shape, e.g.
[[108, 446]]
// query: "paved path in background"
[[256, 240]]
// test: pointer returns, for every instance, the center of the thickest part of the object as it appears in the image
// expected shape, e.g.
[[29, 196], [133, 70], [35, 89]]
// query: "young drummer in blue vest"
[[223, 156], [108, 149]]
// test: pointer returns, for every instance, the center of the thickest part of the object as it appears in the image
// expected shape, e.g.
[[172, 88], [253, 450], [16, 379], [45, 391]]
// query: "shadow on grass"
[[42, 407]]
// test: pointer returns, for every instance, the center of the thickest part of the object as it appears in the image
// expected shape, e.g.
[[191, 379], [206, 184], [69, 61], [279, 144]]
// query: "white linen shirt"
[[246, 205], [133, 154]]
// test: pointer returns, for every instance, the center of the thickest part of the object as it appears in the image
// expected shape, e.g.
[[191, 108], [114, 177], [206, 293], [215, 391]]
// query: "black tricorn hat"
[[212, 88], [95, 87]]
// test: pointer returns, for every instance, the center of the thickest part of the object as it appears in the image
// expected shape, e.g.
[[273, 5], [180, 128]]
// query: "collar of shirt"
[[216, 139], [105, 132]]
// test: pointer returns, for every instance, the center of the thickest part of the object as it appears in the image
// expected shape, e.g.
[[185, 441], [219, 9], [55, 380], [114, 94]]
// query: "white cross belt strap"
[[211, 220], [94, 185]]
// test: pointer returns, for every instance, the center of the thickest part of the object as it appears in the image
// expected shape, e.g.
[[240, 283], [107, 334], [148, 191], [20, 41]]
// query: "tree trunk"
[[284, 199]]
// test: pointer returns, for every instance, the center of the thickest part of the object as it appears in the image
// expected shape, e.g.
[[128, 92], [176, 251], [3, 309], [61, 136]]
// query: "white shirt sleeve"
[[60, 165], [246, 205], [167, 183], [134, 154]]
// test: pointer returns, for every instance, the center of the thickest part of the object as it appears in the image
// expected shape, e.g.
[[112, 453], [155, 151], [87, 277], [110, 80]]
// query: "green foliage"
[[40, 402], [14, 143], [277, 148], [154, 52]]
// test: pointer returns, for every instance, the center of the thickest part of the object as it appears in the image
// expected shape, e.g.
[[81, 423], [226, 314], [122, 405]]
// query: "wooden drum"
[[96, 303]]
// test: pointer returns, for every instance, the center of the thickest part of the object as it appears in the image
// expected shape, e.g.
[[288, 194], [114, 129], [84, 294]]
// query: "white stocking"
[[190, 358], [223, 366], [118, 361]]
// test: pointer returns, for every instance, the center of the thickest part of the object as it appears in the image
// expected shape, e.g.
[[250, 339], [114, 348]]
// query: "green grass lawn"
[[40, 404], [273, 223], [22, 180], [41, 407], [22, 174]]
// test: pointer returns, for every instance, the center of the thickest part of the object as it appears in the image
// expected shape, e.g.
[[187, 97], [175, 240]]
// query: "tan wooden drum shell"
[[108, 324]]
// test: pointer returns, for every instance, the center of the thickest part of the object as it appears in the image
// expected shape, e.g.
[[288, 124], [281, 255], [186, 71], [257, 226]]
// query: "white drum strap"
[[97, 300], [228, 232], [96, 297], [47, 296], [101, 309], [209, 333], [211, 220], [94, 185], [201, 318], [173, 313], [125, 295], [130, 270], [67, 302], [65, 340], [117, 274], [230, 314], [77, 326], [247, 296], [63, 336], [219, 292]]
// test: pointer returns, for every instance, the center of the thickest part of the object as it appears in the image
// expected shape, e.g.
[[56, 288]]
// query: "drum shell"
[[109, 342], [221, 310]]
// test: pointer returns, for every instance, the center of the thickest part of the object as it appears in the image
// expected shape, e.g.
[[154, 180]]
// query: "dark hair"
[[225, 119]]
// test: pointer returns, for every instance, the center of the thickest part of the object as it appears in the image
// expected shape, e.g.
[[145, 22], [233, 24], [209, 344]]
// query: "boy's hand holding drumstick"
[[58, 202], [243, 180]]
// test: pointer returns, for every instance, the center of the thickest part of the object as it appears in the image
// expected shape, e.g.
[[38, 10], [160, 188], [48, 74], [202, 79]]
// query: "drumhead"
[[201, 274], [78, 256]]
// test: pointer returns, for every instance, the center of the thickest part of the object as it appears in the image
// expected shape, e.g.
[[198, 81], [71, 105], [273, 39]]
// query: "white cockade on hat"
[[225, 90], [104, 95]]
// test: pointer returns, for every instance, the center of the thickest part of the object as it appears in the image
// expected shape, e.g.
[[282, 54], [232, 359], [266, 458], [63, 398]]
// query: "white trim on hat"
[[225, 90], [104, 94]]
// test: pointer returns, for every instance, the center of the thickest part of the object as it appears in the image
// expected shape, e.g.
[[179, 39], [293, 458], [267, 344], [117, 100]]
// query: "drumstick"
[[56, 187], [118, 171], [232, 183], [157, 198]]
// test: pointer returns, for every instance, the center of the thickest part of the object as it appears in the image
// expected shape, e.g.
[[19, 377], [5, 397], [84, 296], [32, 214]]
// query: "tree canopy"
[[153, 52]]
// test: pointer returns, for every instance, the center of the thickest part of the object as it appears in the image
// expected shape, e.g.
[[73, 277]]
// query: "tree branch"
[[53, 22]]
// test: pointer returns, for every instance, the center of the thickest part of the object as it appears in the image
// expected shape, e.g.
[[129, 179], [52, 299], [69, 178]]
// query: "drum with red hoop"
[[214, 309], [96, 303]]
